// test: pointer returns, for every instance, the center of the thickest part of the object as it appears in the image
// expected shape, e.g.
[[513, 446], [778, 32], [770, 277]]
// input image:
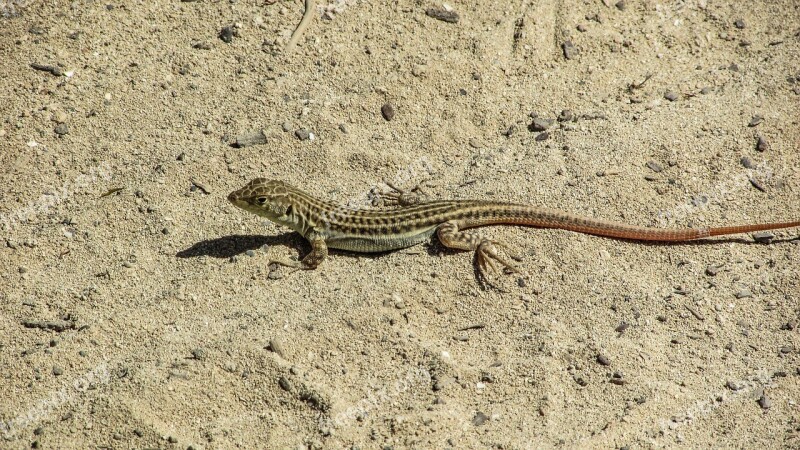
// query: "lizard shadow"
[[229, 246]]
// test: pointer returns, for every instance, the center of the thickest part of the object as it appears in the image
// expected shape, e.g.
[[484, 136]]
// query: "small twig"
[[633, 86], [308, 15]]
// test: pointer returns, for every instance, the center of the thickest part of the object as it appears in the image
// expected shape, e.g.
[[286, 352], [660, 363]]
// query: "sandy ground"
[[148, 317]]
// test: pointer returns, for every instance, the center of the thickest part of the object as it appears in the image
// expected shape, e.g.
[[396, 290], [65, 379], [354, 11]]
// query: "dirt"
[[139, 309]]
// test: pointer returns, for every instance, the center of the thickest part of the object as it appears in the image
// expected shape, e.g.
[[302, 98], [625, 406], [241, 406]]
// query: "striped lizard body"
[[329, 225]]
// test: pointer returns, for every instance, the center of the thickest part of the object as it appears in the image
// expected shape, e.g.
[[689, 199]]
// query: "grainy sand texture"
[[138, 308]]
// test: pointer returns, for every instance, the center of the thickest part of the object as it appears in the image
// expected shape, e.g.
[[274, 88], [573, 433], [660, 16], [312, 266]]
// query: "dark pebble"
[[739, 23], [138, 432], [226, 34], [172, 440], [620, 5], [671, 96], [756, 120], [789, 326], [761, 144], [542, 137], [540, 124], [479, 419], [603, 360], [733, 67], [58, 371], [621, 327], [302, 134], [387, 111], [569, 49], [712, 270], [61, 129], [509, 131], [747, 162], [654, 166], [250, 138], [443, 15]]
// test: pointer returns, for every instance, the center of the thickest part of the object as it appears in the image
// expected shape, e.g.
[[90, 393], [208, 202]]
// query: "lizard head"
[[267, 198]]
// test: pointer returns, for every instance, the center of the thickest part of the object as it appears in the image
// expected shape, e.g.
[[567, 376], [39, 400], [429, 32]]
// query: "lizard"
[[410, 221]]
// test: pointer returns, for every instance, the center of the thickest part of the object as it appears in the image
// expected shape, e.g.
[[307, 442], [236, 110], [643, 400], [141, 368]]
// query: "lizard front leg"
[[487, 255], [319, 251]]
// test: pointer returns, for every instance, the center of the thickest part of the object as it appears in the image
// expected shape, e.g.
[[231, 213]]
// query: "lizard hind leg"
[[487, 254]]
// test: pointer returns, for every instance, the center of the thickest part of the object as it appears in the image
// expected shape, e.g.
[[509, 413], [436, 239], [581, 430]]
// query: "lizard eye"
[[261, 200]]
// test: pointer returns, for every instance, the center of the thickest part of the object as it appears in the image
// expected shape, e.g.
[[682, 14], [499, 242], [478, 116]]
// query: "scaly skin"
[[325, 224]]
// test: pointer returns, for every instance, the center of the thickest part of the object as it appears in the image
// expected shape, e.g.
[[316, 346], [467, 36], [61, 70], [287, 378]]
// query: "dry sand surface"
[[138, 308]]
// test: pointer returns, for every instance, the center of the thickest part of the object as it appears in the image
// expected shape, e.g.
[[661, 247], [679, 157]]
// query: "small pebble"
[[654, 166], [744, 293], [61, 129], [603, 360], [755, 121], [620, 5], [747, 162], [542, 137], [569, 49], [285, 384], [251, 138], [739, 23], [387, 110], [764, 402], [671, 96], [712, 270], [276, 345], [764, 237], [761, 144], [479, 419], [302, 134], [786, 349], [58, 371], [442, 14], [621, 327], [286, 126], [706, 90], [250, 253]]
